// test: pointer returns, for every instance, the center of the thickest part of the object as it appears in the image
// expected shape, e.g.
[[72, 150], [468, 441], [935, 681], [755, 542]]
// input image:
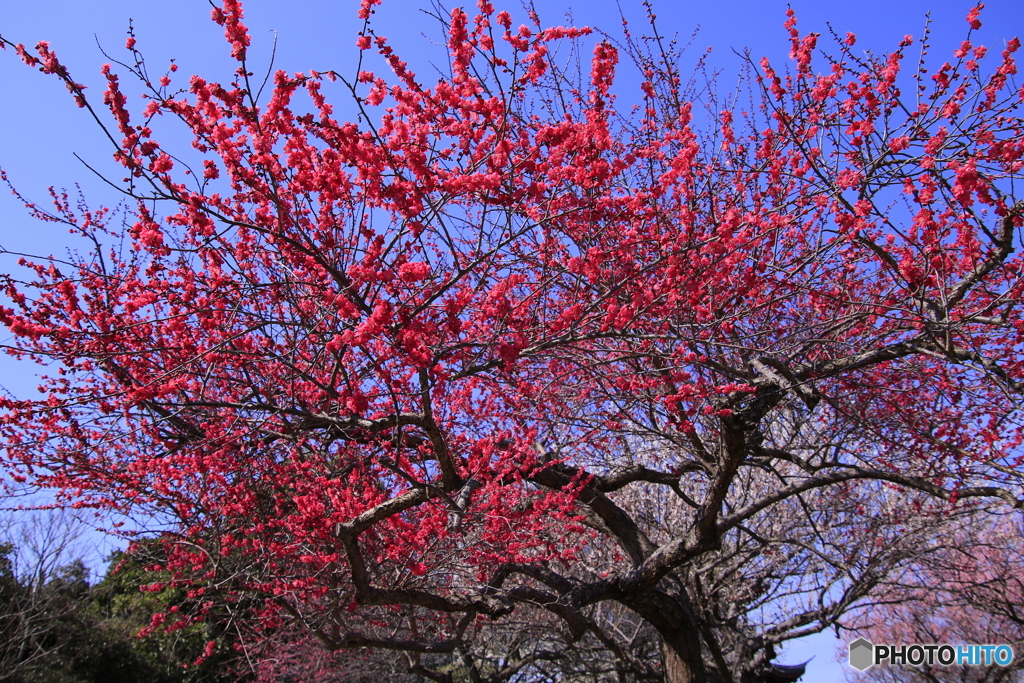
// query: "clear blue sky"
[[42, 128]]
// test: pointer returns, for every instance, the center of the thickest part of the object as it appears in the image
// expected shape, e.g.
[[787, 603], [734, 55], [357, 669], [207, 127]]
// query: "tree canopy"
[[515, 380], [59, 625]]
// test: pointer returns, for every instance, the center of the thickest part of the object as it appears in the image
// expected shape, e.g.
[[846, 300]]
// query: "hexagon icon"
[[862, 654]]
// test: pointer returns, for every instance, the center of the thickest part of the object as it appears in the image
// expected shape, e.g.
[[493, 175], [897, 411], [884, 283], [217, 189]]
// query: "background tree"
[[966, 589], [59, 625], [386, 380], [43, 582]]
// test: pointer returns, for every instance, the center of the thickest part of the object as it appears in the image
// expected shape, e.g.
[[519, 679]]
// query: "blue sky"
[[42, 128]]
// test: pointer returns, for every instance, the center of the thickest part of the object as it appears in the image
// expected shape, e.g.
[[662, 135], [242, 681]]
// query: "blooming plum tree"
[[495, 347], [966, 589]]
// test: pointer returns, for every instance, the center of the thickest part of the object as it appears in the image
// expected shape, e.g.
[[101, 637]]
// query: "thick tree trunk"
[[671, 613], [681, 657]]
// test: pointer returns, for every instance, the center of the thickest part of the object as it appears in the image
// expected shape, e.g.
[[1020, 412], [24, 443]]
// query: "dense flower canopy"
[[392, 375]]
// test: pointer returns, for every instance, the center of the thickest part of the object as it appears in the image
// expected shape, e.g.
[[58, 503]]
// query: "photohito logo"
[[864, 654]]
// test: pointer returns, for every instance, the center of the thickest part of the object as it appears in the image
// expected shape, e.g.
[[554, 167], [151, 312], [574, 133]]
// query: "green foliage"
[[62, 629]]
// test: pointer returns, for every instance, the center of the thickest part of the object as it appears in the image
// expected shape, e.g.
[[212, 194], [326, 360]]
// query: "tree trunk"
[[671, 613], [681, 657]]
